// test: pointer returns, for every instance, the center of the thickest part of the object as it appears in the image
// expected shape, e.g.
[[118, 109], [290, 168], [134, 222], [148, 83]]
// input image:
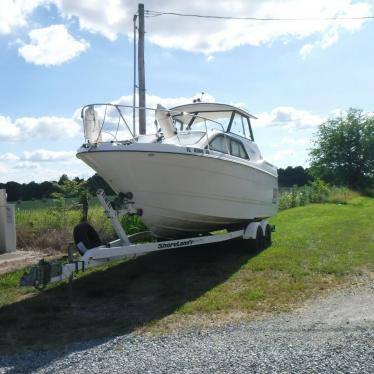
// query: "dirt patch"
[[20, 259]]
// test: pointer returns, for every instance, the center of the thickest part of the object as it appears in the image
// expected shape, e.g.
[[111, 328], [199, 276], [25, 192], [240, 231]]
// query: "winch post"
[[113, 216]]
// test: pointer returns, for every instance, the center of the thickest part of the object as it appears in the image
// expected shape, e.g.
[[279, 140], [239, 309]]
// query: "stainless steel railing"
[[103, 120]]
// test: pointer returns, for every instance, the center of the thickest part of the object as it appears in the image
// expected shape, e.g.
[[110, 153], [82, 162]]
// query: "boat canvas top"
[[210, 107]]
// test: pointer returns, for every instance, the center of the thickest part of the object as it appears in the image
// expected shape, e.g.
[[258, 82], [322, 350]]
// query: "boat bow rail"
[[114, 123]]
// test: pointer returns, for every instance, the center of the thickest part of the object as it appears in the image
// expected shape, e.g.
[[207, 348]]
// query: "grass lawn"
[[315, 247]]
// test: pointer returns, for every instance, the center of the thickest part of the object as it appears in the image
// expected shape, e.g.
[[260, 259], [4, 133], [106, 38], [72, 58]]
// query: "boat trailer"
[[40, 275]]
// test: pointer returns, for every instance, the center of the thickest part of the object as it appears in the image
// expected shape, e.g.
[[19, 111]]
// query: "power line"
[[151, 13]]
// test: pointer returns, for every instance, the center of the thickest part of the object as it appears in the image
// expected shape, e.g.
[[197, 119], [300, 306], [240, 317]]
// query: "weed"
[[315, 192], [49, 226]]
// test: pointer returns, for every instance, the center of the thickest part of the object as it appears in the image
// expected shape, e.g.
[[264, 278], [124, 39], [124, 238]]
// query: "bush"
[[341, 195], [315, 192], [319, 191]]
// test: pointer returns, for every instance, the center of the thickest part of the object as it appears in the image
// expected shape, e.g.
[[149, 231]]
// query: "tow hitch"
[[41, 274]]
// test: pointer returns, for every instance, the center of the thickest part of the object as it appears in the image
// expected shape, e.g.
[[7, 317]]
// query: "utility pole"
[[141, 72], [135, 86]]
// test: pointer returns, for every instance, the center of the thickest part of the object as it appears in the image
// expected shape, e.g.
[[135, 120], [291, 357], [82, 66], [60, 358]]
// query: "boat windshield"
[[200, 121]]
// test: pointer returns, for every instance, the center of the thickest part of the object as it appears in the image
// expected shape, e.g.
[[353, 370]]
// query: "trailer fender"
[[251, 230], [263, 224]]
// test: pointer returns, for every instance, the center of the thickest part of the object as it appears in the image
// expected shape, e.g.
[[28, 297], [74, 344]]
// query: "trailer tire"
[[267, 237], [257, 244], [86, 234]]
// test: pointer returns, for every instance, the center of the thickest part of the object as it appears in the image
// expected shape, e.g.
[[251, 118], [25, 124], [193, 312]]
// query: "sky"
[[58, 55]]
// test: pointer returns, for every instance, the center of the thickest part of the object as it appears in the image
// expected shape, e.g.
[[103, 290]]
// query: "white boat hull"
[[182, 194]]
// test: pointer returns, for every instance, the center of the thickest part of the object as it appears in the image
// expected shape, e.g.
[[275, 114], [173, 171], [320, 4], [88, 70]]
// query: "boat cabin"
[[215, 128], [219, 128], [210, 116]]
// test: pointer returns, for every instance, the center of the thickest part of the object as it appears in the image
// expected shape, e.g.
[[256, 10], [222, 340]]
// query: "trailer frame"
[[44, 272]]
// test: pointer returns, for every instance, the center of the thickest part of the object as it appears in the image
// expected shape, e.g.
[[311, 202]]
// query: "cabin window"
[[237, 125], [237, 149], [200, 121], [219, 144], [240, 125], [225, 144], [247, 126]]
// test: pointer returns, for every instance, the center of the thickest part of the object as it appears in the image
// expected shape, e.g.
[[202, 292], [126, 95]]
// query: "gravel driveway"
[[334, 334]]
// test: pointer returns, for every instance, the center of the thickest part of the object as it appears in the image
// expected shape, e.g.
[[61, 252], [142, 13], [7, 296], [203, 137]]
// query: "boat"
[[198, 172]]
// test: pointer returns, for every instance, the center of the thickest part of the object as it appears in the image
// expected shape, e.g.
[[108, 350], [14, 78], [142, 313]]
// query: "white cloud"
[[113, 17], [43, 155], [3, 171], [8, 130], [52, 45], [14, 13], [295, 141], [9, 157], [108, 18], [39, 155], [26, 165], [289, 157], [24, 128], [331, 34], [281, 155], [239, 104], [330, 38], [306, 50], [288, 117]]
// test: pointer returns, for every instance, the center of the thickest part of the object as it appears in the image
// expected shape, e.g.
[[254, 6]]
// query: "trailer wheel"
[[86, 234], [267, 237], [257, 244]]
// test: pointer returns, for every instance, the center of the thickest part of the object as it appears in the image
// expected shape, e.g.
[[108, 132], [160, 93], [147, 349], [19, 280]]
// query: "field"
[[48, 225], [316, 247]]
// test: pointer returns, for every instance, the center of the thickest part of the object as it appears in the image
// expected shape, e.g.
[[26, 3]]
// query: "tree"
[[64, 178], [73, 188], [13, 190], [30, 191], [96, 182], [343, 152], [47, 189], [292, 176]]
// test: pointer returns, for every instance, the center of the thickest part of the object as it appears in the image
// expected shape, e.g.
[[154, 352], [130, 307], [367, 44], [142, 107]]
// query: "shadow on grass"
[[120, 299]]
